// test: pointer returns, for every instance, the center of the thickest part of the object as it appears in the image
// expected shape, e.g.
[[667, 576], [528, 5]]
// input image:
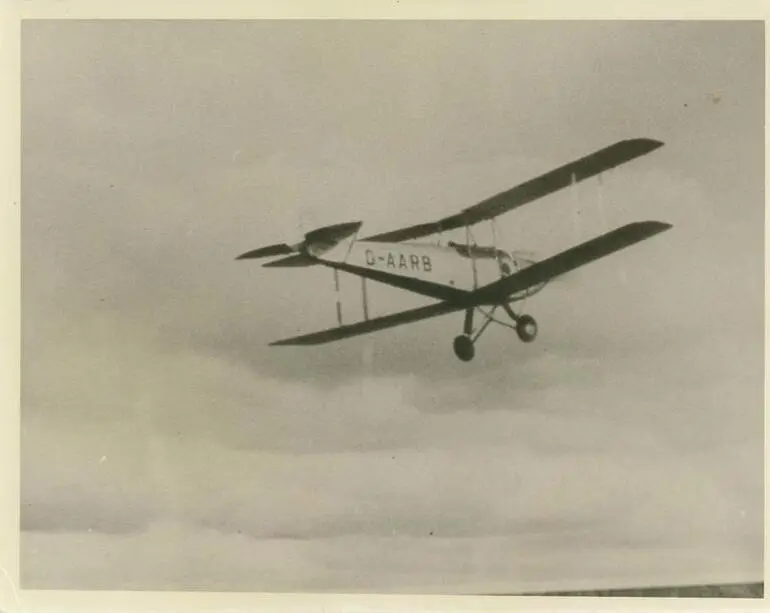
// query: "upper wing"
[[569, 260], [579, 170], [371, 325]]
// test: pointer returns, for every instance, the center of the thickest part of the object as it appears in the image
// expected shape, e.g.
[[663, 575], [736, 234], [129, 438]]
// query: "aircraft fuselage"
[[452, 265]]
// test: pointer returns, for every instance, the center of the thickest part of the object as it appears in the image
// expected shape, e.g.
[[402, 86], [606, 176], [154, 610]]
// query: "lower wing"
[[569, 260], [372, 325]]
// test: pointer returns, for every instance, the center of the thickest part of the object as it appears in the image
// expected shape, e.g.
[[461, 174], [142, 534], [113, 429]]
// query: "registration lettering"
[[399, 261]]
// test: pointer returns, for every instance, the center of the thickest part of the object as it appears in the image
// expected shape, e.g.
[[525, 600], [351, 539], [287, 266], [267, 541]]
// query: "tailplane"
[[316, 243]]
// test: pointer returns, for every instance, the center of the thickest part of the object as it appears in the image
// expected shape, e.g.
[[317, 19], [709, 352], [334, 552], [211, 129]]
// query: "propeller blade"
[[263, 252]]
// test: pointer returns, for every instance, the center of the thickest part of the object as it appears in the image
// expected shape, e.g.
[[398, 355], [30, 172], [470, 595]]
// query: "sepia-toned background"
[[165, 446]]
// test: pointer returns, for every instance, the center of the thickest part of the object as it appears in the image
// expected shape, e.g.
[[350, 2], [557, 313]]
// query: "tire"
[[463, 347], [526, 328]]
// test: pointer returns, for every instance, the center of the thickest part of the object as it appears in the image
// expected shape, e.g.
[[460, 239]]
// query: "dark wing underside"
[[372, 325], [493, 293], [569, 260], [548, 183]]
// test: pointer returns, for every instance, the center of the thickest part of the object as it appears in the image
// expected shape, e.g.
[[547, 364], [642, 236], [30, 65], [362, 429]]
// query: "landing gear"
[[464, 349], [524, 325], [464, 345], [526, 328]]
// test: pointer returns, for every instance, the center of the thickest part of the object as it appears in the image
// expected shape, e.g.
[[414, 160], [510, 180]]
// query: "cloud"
[[182, 557], [459, 488], [472, 504]]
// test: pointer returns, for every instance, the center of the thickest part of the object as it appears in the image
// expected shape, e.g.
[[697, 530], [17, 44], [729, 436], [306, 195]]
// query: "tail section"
[[293, 261], [316, 243]]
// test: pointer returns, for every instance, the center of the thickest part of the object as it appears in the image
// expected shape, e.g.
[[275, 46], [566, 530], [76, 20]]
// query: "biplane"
[[459, 277]]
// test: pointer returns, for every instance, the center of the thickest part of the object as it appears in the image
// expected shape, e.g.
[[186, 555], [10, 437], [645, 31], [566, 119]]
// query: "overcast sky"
[[166, 446]]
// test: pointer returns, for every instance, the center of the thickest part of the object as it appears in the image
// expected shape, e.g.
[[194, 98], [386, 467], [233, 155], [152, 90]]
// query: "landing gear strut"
[[464, 345]]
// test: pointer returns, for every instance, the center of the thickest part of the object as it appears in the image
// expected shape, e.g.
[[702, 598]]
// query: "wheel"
[[526, 328], [463, 347]]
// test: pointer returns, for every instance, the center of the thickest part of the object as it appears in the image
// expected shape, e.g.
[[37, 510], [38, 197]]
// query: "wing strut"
[[472, 253], [575, 196], [364, 298], [337, 294]]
